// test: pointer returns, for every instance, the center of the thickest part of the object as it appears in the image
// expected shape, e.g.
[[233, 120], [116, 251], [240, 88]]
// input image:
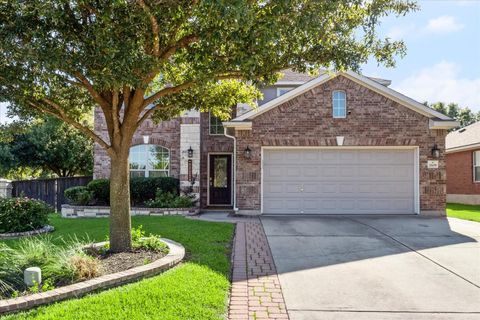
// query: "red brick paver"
[[256, 291]]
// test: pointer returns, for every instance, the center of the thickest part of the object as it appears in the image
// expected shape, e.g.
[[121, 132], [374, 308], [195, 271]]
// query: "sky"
[[443, 53]]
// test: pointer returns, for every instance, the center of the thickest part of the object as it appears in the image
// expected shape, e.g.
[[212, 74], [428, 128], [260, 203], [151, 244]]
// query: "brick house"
[[338, 143], [463, 165]]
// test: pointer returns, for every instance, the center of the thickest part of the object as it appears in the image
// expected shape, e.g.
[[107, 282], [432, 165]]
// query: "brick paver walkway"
[[256, 291]]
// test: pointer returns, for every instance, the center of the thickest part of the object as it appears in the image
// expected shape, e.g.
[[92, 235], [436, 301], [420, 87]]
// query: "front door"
[[220, 179]]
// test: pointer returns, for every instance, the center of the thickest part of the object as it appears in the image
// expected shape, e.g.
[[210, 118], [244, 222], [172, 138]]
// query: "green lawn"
[[197, 289], [463, 211]]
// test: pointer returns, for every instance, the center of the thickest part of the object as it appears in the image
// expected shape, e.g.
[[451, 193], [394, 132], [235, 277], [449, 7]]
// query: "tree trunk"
[[120, 222]]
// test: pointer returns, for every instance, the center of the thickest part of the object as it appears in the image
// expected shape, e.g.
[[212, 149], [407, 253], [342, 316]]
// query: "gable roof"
[[438, 120], [463, 139]]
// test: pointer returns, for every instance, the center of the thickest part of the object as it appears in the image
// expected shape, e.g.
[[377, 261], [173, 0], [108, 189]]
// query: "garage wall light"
[[435, 151]]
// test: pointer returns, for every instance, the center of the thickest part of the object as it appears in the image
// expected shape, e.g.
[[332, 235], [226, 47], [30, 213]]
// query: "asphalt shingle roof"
[[463, 137]]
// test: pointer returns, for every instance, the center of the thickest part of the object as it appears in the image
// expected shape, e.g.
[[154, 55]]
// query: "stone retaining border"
[[69, 211], [176, 254], [11, 235]]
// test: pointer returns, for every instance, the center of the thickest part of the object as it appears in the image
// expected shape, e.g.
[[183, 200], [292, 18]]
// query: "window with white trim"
[[339, 104], [149, 160], [476, 166], [283, 90], [216, 126]]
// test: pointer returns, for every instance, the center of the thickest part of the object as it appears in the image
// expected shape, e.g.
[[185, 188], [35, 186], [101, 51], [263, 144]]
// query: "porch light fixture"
[[247, 152], [190, 152], [340, 140], [435, 151], [145, 139]]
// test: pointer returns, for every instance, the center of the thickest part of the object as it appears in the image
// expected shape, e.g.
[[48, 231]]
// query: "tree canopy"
[[464, 115], [45, 147], [139, 58]]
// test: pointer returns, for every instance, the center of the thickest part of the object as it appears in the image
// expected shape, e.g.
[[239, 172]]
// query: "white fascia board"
[[238, 125], [285, 97], [290, 83], [443, 124], [395, 96], [473, 146]]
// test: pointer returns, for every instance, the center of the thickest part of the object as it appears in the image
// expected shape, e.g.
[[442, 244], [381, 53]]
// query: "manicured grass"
[[463, 211], [197, 289]]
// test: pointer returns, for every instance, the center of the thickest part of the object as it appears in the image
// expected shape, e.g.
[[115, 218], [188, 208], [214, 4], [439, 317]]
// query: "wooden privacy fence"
[[49, 190]]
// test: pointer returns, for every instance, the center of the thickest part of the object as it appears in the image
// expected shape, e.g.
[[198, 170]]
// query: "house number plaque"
[[432, 164], [190, 175]]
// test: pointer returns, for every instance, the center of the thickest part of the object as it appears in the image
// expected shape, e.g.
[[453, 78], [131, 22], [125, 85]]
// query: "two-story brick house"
[[338, 143]]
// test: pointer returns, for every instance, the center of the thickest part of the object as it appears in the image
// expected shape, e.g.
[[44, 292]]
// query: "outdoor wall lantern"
[[190, 152], [435, 151], [247, 152]]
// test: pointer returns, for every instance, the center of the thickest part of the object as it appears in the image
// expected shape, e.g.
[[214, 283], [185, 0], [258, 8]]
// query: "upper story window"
[[476, 166], [283, 90], [339, 104], [149, 160], [216, 126]]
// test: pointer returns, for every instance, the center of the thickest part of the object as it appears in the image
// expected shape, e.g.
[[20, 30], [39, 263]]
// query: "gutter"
[[234, 174]]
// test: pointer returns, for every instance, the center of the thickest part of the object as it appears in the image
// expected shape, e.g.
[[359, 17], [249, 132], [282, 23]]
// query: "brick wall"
[[460, 173], [166, 134], [373, 120]]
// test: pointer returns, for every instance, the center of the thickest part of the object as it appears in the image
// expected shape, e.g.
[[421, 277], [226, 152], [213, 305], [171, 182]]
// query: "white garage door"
[[338, 181]]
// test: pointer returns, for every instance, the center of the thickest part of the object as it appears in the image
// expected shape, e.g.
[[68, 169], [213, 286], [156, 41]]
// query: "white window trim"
[[146, 170], [283, 88], [333, 113], [475, 179], [210, 127]]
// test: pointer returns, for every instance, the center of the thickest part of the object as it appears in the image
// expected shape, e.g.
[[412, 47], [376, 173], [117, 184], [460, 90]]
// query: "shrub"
[[140, 241], [22, 214], [101, 191], [79, 195], [170, 200], [84, 267], [141, 189]]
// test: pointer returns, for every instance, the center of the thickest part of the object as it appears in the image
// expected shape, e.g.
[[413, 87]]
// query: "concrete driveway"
[[397, 267]]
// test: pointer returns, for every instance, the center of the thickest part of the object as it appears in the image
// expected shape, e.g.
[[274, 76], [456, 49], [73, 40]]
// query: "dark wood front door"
[[220, 179]]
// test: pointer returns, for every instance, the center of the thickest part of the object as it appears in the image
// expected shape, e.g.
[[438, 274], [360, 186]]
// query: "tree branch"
[[60, 114], [95, 95], [154, 26], [181, 43]]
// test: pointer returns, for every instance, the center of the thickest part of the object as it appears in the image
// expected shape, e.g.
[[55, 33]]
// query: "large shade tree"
[[139, 58]]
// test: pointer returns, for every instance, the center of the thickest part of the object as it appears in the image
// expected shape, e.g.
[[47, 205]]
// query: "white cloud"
[[442, 82], [443, 24]]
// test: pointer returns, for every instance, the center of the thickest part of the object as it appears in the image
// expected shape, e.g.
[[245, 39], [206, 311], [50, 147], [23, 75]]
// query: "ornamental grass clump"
[[60, 264]]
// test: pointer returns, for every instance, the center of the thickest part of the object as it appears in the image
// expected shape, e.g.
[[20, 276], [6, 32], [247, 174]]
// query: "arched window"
[[149, 160], [339, 104]]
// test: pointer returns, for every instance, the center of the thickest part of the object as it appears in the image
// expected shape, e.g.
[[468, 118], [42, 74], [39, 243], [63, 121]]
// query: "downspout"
[[234, 175]]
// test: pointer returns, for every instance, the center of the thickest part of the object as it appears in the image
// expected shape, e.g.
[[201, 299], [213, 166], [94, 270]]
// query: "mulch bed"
[[116, 262]]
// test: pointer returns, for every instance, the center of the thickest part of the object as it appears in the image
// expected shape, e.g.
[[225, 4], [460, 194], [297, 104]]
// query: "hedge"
[[141, 189]]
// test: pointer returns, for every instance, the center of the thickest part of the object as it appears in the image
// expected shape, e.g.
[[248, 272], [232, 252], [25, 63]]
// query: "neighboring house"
[[463, 165], [339, 143]]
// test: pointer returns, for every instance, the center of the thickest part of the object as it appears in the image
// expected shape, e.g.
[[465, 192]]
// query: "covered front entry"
[[339, 181], [220, 179]]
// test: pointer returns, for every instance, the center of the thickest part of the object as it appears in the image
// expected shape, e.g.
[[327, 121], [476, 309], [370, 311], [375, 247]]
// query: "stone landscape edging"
[[11, 235], [69, 211], [175, 255]]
